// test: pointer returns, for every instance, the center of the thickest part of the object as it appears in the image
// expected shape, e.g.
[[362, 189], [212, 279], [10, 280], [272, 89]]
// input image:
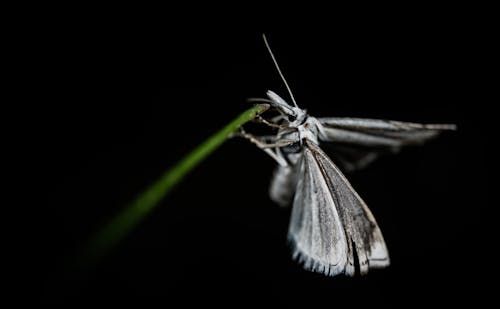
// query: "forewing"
[[376, 132], [356, 232], [316, 232]]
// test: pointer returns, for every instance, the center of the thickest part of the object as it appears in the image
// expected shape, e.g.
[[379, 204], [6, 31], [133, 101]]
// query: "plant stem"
[[112, 233]]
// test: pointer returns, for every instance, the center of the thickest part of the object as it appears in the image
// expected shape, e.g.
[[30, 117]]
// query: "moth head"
[[294, 114]]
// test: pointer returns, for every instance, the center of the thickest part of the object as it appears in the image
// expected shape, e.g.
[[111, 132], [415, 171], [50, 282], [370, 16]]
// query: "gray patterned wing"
[[330, 223], [376, 132]]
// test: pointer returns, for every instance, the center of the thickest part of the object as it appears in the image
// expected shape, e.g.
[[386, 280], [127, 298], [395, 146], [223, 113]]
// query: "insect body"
[[330, 225]]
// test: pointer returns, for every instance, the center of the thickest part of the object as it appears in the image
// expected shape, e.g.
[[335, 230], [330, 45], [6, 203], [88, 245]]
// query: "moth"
[[331, 229]]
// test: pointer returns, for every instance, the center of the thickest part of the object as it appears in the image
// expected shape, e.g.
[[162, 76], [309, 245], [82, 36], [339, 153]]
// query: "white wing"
[[316, 232], [283, 185], [330, 222], [376, 132]]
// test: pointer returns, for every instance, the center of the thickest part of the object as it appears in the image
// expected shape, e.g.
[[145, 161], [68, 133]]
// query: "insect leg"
[[267, 142], [260, 119]]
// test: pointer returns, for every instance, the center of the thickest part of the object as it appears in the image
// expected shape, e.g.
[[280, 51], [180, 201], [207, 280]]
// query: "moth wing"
[[316, 232], [361, 228], [352, 227], [376, 132], [283, 185], [350, 157]]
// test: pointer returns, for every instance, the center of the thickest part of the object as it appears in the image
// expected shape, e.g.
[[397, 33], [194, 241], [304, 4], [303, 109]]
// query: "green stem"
[[111, 234]]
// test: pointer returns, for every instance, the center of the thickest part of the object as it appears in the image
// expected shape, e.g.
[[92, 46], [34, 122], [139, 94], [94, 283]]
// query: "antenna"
[[278, 68]]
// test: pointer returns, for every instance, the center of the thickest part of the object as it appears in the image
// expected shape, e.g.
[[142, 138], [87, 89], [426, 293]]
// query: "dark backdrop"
[[120, 100]]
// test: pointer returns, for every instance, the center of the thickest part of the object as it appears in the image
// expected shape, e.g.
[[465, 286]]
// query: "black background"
[[115, 100]]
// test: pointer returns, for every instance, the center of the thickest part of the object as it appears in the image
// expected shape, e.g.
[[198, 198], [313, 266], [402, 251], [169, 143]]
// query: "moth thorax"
[[309, 130]]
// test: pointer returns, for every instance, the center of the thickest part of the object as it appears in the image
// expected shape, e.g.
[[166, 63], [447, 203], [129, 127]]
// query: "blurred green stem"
[[111, 234]]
